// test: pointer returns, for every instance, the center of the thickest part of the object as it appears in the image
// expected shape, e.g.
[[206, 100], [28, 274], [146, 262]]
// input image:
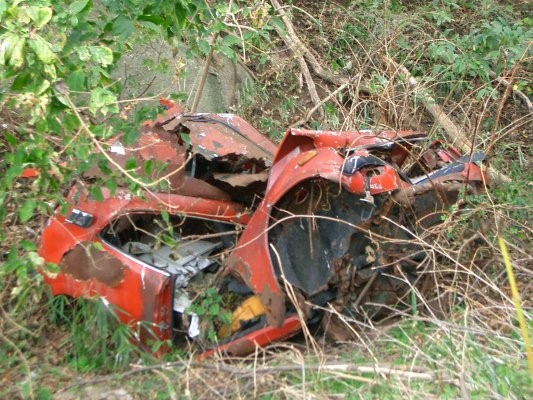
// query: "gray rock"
[[154, 68]]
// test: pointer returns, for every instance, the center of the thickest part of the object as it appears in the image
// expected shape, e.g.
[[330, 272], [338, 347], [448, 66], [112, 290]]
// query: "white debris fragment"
[[117, 148]]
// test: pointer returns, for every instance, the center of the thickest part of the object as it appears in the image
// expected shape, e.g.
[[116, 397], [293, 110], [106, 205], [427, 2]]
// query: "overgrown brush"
[[461, 340]]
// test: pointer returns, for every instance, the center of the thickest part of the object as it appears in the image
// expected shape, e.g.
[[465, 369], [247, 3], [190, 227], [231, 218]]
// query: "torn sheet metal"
[[185, 260], [319, 227], [199, 155], [336, 228], [219, 135]]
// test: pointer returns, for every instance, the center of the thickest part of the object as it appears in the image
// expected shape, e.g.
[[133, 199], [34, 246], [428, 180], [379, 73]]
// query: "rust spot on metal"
[[241, 347], [275, 306], [307, 157], [223, 134], [86, 262], [217, 145]]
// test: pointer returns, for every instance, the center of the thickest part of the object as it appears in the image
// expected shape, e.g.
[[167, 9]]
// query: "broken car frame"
[[276, 235]]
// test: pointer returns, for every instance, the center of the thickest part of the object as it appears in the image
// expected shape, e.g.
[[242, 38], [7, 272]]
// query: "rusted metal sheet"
[[219, 135], [336, 223], [174, 139], [316, 237], [85, 262]]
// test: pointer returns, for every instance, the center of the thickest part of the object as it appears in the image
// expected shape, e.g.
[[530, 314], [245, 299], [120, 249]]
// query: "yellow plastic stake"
[[517, 303]]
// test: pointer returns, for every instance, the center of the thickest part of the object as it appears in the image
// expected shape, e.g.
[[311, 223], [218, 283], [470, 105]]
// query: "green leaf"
[[40, 15], [181, 11], [81, 151], [3, 8], [112, 185], [17, 59], [96, 193], [76, 81], [123, 27], [6, 44], [71, 122], [186, 138], [228, 52], [50, 70], [22, 80], [200, 310], [131, 164], [130, 136], [12, 172], [99, 54], [204, 46], [230, 40], [218, 26], [42, 49], [27, 245], [278, 23], [150, 25], [11, 139], [214, 309], [78, 6], [41, 86], [148, 167], [102, 100], [11, 50], [35, 259], [19, 13], [164, 185], [26, 209]]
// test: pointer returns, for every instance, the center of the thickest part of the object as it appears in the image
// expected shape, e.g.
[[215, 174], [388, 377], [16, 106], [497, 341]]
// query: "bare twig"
[[24, 360], [384, 370], [453, 132], [519, 93], [297, 46], [309, 113], [293, 43], [504, 99], [310, 83], [85, 129], [207, 63]]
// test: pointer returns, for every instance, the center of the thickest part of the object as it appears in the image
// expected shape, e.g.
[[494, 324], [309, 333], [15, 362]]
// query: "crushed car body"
[[250, 240]]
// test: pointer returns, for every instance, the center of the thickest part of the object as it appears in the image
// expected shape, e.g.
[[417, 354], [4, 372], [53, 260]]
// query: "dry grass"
[[462, 341]]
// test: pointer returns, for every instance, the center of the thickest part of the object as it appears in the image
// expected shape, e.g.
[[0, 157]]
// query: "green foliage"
[[495, 45], [107, 346], [58, 55], [52, 49], [57, 97], [208, 306]]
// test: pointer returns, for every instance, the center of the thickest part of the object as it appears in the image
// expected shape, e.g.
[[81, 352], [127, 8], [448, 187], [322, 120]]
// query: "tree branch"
[[455, 135], [293, 41]]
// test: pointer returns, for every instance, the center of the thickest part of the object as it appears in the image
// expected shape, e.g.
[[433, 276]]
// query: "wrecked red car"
[[250, 241]]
